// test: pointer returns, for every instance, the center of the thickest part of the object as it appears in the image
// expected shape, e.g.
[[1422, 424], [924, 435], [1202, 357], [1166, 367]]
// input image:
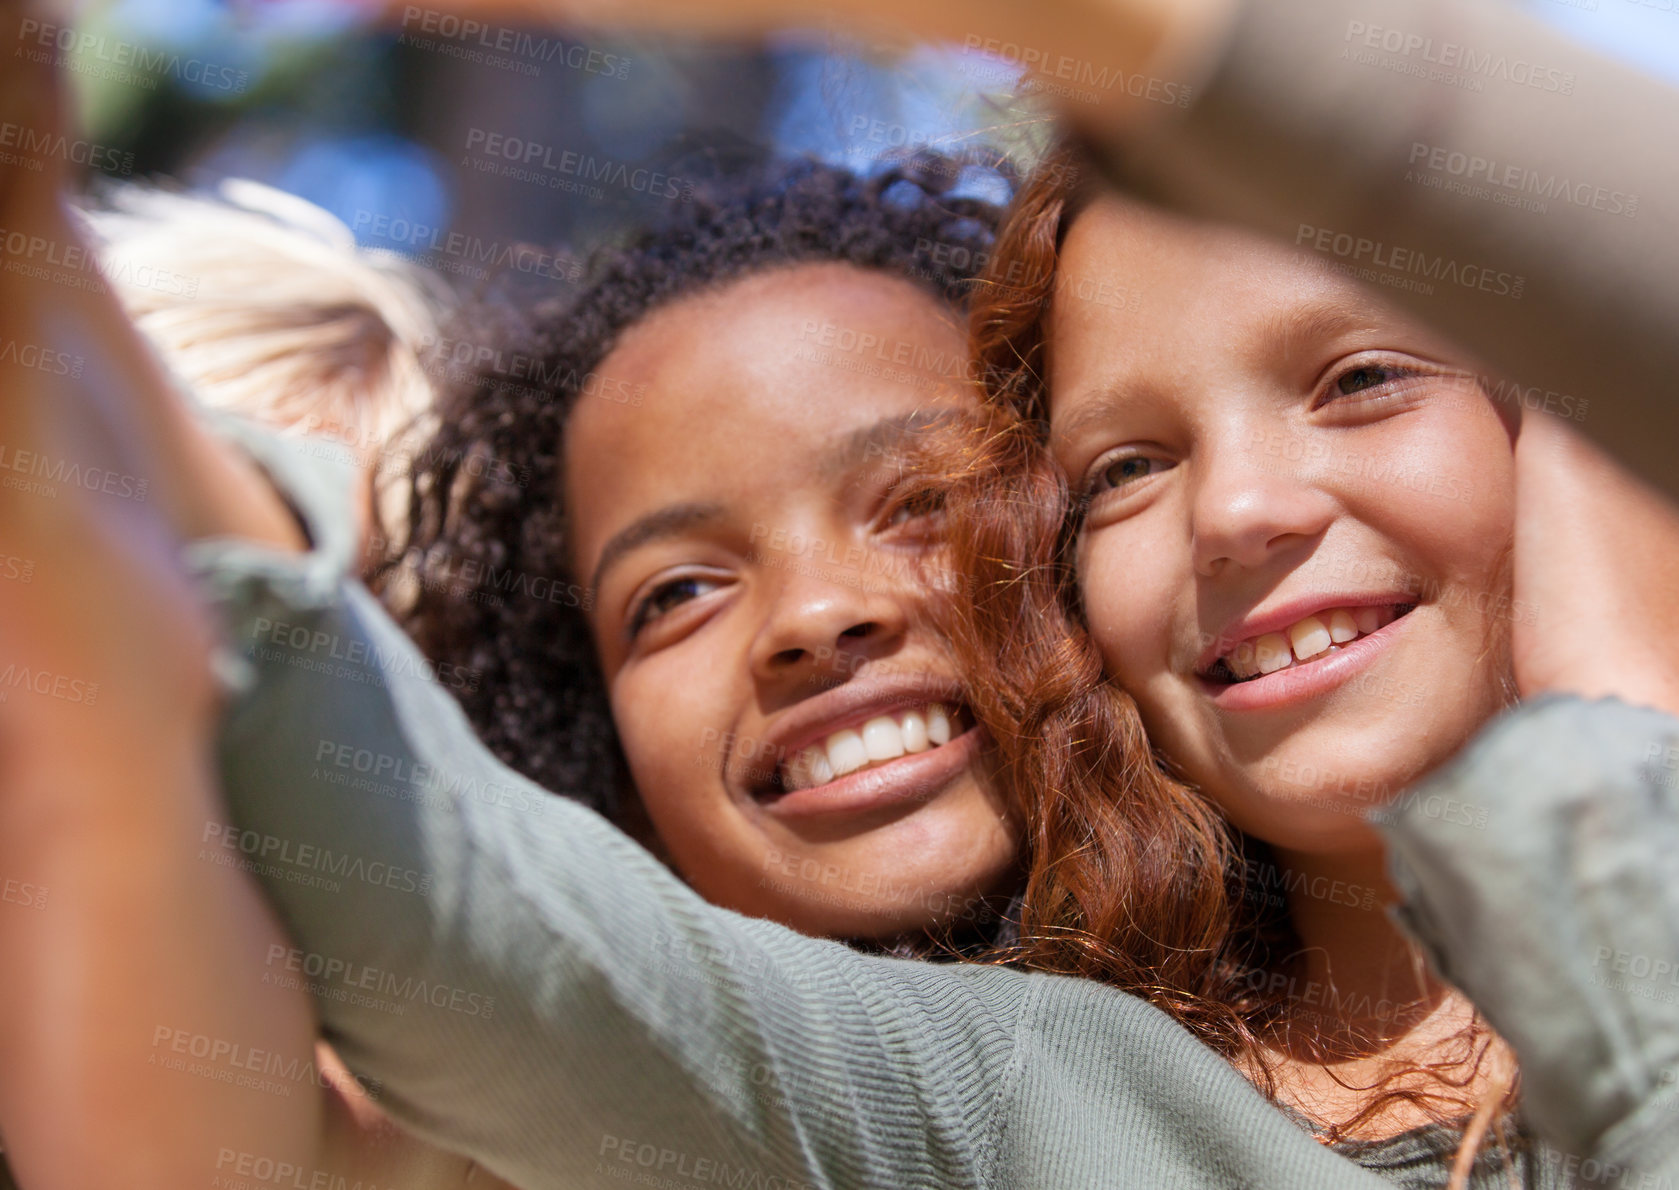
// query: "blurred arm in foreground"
[[143, 967], [1492, 176]]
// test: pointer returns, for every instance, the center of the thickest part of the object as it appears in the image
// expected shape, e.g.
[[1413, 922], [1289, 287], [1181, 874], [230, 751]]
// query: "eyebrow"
[[676, 519], [879, 439], [1101, 405], [1300, 327], [670, 521]]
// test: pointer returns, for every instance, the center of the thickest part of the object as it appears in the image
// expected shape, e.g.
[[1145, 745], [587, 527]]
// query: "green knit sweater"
[[530, 987]]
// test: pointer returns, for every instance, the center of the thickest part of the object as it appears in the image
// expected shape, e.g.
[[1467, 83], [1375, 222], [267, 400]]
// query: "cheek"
[[1459, 516], [673, 748], [1125, 587]]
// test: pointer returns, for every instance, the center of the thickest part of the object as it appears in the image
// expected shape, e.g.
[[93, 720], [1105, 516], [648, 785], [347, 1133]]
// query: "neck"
[[1358, 978], [1360, 1001]]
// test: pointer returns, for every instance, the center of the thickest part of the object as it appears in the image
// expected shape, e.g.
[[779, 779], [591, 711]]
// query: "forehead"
[[1143, 297], [739, 395]]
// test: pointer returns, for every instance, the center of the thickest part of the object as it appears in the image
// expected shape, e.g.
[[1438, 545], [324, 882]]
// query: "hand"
[[1596, 574]]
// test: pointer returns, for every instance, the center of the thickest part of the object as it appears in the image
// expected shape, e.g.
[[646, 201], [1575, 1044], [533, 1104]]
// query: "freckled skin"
[[740, 411], [1258, 497]]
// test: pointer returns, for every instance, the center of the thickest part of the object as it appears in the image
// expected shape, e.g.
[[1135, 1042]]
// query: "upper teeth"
[[883, 738], [1306, 639]]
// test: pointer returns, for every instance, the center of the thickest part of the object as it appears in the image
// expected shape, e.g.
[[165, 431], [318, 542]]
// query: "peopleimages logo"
[[459, 252], [1363, 40], [1053, 69], [661, 1165], [1396, 260], [1472, 168], [396, 987], [40, 359], [98, 56], [516, 50], [532, 161], [77, 266], [35, 144], [51, 470]]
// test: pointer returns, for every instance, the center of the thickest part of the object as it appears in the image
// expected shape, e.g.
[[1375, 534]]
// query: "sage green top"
[[530, 987]]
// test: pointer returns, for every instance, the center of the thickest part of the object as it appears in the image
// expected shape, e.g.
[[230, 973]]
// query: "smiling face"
[[791, 721], [1299, 508]]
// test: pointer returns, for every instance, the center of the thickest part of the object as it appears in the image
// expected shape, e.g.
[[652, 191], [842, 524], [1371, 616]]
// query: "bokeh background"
[[387, 126]]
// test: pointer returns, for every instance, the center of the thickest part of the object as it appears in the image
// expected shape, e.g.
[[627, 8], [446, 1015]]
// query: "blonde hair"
[[263, 305]]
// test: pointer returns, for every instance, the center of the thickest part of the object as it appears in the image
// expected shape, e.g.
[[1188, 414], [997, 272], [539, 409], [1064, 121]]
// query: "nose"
[[817, 624], [1253, 497]]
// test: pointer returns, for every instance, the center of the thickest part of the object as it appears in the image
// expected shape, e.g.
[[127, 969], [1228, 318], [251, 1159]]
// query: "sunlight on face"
[[1298, 512], [793, 724]]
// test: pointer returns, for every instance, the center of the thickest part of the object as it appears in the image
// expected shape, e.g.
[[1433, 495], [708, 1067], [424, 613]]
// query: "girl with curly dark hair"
[[672, 556]]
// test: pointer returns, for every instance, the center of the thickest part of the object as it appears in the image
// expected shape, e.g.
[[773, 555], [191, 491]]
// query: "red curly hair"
[[1133, 877]]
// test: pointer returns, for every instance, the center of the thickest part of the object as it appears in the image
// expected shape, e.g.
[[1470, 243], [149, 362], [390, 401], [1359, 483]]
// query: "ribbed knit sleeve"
[[520, 980], [531, 987], [1541, 870]]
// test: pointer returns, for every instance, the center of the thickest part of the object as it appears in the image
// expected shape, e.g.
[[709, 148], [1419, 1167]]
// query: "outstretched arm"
[[134, 995], [150, 1038], [531, 987]]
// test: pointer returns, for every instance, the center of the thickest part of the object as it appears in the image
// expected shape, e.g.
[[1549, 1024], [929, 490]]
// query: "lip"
[[855, 703], [1303, 682], [916, 777], [1286, 615]]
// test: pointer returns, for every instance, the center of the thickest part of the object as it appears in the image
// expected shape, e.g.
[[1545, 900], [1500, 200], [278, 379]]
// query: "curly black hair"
[[479, 578]]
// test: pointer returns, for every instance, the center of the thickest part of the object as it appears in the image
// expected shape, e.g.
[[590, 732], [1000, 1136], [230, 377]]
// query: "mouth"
[[1309, 641], [873, 759], [872, 743]]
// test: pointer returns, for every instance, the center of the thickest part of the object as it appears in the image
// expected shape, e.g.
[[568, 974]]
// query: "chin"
[[1312, 794], [1322, 829]]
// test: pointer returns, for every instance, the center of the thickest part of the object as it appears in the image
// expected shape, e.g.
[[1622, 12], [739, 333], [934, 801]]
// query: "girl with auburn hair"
[[1227, 497], [1190, 926]]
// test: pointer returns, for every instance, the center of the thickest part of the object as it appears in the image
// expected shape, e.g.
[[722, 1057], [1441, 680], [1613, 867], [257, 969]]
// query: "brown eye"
[[925, 503], [1123, 471], [667, 596], [1359, 379]]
